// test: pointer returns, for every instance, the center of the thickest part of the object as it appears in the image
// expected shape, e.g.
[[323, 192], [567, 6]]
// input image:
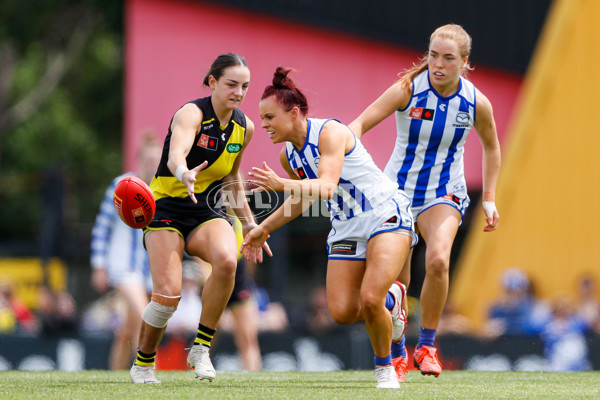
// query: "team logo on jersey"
[[300, 172], [316, 161], [234, 147], [208, 142], [422, 113], [463, 118], [343, 248]]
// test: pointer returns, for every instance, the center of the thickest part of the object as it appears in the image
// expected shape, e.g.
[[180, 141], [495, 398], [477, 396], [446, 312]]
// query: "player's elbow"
[[328, 190]]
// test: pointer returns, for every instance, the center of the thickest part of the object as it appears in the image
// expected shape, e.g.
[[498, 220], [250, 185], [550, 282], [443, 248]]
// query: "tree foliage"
[[61, 68]]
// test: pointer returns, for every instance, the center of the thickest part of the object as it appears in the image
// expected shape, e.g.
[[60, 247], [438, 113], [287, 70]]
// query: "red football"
[[134, 202]]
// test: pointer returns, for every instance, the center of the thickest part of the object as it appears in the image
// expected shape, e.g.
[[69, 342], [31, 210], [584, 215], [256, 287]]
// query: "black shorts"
[[244, 285], [177, 215]]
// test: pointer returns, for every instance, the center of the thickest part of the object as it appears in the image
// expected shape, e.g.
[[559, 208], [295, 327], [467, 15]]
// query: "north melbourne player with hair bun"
[[372, 227], [202, 151]]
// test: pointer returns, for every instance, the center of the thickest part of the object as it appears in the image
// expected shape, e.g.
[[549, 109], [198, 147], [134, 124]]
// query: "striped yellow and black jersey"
[[219, 145]]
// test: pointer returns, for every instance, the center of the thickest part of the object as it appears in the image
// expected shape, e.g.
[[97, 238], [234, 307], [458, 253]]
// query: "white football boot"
[[141, 374], [398, 290], [386, 377], [198, 359]]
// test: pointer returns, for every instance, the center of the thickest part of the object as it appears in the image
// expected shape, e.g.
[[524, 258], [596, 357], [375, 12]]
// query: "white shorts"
[[459, 200], [348, 239]]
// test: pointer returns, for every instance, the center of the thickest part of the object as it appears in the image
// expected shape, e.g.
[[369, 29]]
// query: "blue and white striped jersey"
[[115, 246], [362, 186], [427, 161]]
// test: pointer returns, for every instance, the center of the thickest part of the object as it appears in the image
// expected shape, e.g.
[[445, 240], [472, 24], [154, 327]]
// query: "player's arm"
[[291, 208], [294, 204], [238, 201], [332, 145], [99, 246], [186, 123], [395, 97], [486, 129]]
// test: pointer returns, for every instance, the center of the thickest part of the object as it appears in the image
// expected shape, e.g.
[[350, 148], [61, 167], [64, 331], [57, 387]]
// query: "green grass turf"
[[355, 385]]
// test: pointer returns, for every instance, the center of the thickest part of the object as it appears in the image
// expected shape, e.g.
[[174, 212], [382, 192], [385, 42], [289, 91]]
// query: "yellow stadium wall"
[[26, 276], [549, 189]]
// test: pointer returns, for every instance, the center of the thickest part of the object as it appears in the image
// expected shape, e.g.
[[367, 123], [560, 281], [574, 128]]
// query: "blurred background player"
[[435, 109], [119, 260], [244, 310]]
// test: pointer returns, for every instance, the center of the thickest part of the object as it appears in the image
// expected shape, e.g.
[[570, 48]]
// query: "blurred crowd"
[[54, 314], [561, 322]]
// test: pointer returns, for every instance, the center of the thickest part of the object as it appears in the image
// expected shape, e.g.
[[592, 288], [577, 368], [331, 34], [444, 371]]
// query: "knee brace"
[[160, 309]]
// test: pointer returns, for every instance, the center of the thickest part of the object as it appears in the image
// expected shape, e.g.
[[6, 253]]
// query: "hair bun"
[[280, 78]]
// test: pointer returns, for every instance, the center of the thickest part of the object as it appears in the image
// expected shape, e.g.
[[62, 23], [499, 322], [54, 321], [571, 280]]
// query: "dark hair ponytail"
[[285, 91], [223, 62]]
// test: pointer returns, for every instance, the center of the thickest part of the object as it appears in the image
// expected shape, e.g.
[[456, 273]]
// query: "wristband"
[[489, 207], [180, 171]]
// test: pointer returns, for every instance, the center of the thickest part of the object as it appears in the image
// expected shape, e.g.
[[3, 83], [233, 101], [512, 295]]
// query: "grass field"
[[355, 385]]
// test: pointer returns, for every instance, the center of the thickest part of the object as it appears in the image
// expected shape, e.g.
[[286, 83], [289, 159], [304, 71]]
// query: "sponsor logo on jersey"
[[390, 223], [344, 248], [207, 142], [422, 113], [458, 187], [300, 172], [452, 198], [234, 147]]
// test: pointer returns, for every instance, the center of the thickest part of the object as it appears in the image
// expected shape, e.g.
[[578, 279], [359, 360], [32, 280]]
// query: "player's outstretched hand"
[[265, 179], [254, 243], [189, 178]]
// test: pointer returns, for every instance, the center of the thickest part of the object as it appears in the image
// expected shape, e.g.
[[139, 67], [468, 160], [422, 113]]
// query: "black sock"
[[145, 360], [204, 335]]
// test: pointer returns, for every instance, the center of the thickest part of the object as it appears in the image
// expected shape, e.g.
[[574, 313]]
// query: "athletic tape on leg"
[[158, 313]]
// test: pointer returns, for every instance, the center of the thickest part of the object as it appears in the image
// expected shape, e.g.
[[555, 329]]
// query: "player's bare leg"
[[246, 334], [125, 340], [165, 249], [222, 255], [385, 253], [399, 356], [438, 226]]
